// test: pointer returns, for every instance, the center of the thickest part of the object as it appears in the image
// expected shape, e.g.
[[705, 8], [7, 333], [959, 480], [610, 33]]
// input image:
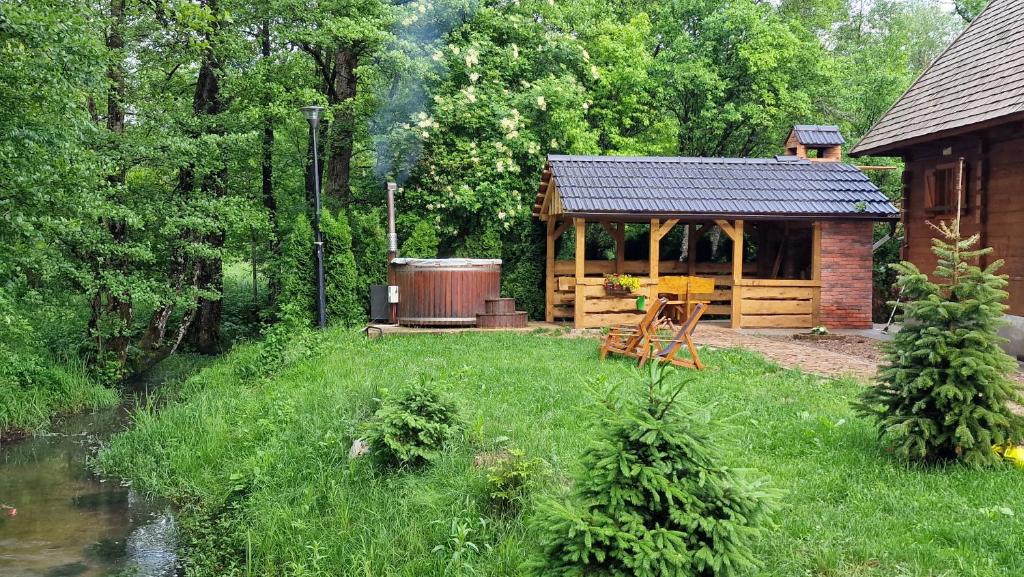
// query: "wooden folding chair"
[[669, 348], [634, 341]]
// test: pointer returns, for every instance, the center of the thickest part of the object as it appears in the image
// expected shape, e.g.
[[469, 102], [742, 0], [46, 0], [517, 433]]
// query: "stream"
[[69, 522]]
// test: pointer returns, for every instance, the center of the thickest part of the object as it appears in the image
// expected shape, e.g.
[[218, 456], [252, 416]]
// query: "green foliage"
[[485, 243], [422, 241], [652, 497], [298, 288], [412, 428], [845, 509], [342, 278], [511, 478], [943, 392], [370, 247]]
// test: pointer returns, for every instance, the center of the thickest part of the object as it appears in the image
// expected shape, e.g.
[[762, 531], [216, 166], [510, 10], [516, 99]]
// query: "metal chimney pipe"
[[392, 253], [392, 235]]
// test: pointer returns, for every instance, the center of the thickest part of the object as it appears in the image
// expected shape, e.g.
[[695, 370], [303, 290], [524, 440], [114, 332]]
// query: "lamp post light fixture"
[[313, 115]]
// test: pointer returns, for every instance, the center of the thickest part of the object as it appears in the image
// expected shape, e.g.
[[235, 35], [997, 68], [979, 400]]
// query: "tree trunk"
[[267, 173], [205, 332], [107, 305], [342, 138]]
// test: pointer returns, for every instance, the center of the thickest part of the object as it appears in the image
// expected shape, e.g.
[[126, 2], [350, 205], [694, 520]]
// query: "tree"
[[969, 9], [297, 289], [943, 392], [651, 498], [343, 305]]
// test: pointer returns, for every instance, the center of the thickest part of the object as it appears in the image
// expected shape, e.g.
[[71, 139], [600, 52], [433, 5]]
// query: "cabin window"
[[941, 198]]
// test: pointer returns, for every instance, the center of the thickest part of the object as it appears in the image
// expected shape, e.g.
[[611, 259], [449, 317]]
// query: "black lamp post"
[[312, 114]]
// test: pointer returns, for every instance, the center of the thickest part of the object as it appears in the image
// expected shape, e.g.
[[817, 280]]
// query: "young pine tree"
[[942, 393], [343, 305], [652, 499]]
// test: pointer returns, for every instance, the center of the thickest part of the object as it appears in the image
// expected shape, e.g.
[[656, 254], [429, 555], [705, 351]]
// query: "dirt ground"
[[862, 347]]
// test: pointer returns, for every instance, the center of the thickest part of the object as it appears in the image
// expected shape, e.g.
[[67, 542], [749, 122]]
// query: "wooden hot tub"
[[444, 292]]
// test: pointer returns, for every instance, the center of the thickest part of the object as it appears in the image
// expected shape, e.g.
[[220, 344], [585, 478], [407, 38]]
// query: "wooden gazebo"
[[809, 219]]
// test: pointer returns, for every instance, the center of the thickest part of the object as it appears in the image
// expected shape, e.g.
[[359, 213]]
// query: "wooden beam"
[[737, 274], [560, 230], [655, 250], [581, 247], [667, 227], [549, 272], [727, 228], [816, 273], [580, 306]]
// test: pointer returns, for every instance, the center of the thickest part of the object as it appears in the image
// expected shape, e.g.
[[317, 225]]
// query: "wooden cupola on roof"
[[816, 143]]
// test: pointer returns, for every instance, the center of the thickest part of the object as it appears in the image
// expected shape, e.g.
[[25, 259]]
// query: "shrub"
[[510, 478], [652, 499], [412, 428], [298, 291], [343, 305], [485, 242], [422, 242], [370, 248], [943, 391]]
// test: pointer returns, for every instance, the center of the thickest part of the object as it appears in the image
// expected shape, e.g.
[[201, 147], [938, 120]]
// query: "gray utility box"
[[380, 310]]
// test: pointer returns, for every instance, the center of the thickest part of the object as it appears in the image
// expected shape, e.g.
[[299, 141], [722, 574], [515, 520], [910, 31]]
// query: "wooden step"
[[513, 320], [495, 306]]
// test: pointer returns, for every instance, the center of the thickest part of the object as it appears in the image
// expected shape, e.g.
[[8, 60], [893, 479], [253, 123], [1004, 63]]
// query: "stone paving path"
[[790, 355]]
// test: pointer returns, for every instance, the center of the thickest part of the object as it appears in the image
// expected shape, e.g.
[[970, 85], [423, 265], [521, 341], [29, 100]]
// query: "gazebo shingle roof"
[[720, 187]]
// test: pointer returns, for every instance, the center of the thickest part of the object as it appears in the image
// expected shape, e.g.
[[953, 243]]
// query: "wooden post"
[[737, 274], [655, 251], [579, 319], [549, 273], [816, 272]]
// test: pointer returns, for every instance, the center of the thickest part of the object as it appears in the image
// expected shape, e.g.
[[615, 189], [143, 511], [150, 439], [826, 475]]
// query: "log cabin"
[[960, 132], [794, 234]]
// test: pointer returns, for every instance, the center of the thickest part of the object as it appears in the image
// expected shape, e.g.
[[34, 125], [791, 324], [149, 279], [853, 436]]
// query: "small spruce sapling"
[[944, 389], [412, 428], [652, 498]]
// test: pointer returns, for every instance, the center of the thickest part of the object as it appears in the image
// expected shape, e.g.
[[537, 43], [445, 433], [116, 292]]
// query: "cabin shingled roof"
[[978, 79], [815, 135], [784, 186]]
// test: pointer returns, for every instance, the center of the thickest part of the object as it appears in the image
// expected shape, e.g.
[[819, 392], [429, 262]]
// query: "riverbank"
[[61, 389], [256, 450], [65, 520]]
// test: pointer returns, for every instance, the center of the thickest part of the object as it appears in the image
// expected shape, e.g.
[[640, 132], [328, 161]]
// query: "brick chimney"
[[817, 143]]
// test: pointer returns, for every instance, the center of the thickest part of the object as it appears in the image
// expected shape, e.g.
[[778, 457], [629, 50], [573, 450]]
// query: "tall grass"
[[262, 462], [64, 387]]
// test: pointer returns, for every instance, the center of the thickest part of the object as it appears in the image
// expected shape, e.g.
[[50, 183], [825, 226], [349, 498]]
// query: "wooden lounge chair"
[[669, 348], [634, 341]]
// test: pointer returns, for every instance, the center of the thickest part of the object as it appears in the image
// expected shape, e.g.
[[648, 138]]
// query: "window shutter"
[[929, 186]]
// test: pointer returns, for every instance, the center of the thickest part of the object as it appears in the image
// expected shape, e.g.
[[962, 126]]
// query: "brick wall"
[[846, 260]]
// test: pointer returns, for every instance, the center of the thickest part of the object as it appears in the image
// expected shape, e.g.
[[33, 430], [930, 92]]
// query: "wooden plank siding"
[[993, 194]]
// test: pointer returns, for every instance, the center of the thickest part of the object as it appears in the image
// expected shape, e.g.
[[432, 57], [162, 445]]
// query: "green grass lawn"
[[262, 464]]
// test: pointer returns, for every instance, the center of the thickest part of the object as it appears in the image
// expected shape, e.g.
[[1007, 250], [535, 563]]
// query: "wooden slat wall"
[[564, 297], [778, 303]]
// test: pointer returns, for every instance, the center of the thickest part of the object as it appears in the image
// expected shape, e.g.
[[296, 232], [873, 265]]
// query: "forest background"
[[153, 158]]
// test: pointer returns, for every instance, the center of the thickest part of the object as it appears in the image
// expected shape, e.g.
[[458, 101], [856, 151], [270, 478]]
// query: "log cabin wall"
[[993, 199]]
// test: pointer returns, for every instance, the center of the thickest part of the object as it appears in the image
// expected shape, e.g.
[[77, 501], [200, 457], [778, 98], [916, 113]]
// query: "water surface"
[[71, 522]]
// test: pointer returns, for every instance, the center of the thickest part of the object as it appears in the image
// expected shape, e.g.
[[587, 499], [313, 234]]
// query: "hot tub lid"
[[447, 262]]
